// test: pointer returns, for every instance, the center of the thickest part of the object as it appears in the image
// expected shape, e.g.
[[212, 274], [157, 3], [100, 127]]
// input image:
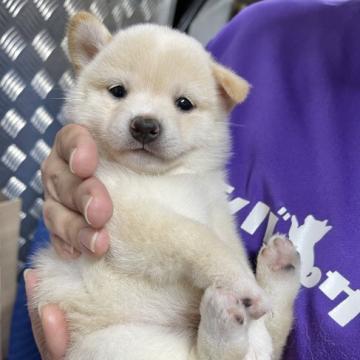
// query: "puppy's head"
[[153, 98]]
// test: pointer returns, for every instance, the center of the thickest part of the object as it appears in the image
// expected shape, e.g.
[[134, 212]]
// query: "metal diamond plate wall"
[[34, 74]]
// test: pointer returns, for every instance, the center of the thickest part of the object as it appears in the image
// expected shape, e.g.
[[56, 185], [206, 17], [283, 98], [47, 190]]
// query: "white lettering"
[[349, 308]]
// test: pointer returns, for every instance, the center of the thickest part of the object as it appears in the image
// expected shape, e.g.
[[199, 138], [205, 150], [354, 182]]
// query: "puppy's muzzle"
[[145, 130]]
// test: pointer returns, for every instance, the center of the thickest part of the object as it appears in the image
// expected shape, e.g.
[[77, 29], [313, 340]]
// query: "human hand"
[[77, 205], [48, 324]]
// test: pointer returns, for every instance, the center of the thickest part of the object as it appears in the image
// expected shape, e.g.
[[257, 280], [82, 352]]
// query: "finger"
[[88, 197], [72, 229], [75, 146], [63, 222], [55, 330], [64, 250], [95, 241], [56, 176], [94, 202]]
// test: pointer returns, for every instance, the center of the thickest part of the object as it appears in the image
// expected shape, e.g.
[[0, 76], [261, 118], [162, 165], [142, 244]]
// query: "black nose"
[[144, 130]]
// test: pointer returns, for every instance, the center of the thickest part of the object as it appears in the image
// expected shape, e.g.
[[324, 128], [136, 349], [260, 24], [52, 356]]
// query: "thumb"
[[48, 324], [55, 330]]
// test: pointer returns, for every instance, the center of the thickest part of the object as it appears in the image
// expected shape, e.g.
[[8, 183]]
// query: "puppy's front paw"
[[278, 270], [279, 255], [223, 312]]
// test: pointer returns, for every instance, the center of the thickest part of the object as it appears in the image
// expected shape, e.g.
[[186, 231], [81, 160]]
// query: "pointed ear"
[[233, 88], [86, 36]]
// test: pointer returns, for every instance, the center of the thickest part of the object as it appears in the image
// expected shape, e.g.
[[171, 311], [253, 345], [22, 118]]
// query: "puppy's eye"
[[184, 104], [118, 91]]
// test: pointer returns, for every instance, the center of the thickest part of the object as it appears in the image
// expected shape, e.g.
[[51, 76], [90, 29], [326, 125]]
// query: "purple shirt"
[[296, 163]]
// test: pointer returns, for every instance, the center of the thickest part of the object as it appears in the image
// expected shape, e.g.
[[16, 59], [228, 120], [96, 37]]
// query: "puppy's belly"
[[95, 297]]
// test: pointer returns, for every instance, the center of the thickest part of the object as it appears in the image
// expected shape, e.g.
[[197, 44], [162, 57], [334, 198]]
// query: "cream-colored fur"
[[176, 283]]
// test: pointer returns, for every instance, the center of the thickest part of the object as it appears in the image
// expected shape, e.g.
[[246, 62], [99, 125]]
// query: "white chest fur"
[[189, 195]]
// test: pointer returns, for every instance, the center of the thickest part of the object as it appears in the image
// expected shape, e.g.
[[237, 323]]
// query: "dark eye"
[[118, 91], [184, 104]]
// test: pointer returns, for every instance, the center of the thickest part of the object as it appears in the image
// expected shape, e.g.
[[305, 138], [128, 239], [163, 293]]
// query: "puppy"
[[175, 283]]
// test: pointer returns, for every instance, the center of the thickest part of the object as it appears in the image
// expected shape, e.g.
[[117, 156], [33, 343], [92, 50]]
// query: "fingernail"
[[71, 165], [88, 241], [86, 202]]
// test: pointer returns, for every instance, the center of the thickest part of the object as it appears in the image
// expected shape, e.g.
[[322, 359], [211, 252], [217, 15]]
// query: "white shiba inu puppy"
[[176, 283]]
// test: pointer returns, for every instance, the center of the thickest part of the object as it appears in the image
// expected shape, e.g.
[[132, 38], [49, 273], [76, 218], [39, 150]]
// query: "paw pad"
[[247, 302], [279, 254]]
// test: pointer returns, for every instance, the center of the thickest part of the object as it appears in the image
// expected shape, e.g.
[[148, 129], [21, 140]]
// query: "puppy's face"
[[152, 97]]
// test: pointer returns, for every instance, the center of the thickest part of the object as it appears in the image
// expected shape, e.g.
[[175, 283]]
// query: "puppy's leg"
[[224, 225], [223, 329], [278, 272], [178, 247]]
